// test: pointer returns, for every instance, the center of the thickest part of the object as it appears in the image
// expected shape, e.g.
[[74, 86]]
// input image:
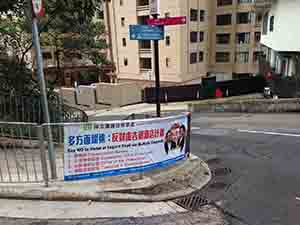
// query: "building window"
[[201, 36], [202, 15], [125, 62], [194, 15], [242, 57], [265, 24], [142, 20], [245, 1], [244, 17], [257, 36], [193, 58], [201, 56], [124, 42], [271, 23], [243, 38], [224, 19], [146, 63], [167, 62], [193, 37], [224, 2], [256, 56], [145, 44], [223, 39], [168, 41], [47, 55], [121, 2], [222, 57], [123, 21]]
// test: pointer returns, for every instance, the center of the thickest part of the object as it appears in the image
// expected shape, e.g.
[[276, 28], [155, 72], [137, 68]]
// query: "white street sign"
[[154, 7], [38, 8]]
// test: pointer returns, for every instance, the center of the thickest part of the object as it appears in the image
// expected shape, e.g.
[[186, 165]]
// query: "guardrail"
[[22, 153]]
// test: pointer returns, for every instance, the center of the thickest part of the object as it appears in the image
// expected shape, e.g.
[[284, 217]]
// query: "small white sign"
[[38, 8], [154, 7]]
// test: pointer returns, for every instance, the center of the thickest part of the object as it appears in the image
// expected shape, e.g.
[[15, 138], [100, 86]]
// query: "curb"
[[54, 194]]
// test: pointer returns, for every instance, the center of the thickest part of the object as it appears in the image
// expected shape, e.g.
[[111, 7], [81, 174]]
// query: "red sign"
[[167, 21], [38, 8]]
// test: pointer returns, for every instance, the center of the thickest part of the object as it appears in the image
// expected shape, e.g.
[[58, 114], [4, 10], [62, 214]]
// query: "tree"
[[69, 26]]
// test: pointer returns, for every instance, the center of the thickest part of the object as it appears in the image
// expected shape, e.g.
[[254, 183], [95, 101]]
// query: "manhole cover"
[[192, 202], [221, 171]]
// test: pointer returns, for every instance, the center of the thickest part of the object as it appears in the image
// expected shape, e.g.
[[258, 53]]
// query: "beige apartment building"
[[221, 38]]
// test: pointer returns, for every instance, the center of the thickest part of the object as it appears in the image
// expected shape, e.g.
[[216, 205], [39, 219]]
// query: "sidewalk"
[[162, 184], [137, 109], [66, 213]]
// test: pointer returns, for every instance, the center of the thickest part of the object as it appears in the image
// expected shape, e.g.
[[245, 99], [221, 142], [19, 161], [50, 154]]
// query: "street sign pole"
[[40, 71], [157, 75]]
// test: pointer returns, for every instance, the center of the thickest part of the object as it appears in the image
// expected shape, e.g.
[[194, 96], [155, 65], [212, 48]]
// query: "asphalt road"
[[263, 153], [262, 150]]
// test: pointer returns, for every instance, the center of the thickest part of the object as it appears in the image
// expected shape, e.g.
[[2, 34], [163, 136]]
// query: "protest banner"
[[100, 149]]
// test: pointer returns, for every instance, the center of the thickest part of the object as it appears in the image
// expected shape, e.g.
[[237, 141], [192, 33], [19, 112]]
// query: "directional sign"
[[167, 21], [38, 8], [146, 32]]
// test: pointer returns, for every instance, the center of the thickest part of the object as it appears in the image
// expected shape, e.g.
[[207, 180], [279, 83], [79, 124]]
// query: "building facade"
[[221, 38], [280, 36]]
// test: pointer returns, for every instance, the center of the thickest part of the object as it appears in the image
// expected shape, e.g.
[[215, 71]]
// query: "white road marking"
[[268, 133]]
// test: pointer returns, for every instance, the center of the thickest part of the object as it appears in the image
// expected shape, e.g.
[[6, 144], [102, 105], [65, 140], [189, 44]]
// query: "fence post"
[[43, 155], [188, 136]]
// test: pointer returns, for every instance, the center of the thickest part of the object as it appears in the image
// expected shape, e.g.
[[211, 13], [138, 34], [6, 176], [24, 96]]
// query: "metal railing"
[[22, 153]]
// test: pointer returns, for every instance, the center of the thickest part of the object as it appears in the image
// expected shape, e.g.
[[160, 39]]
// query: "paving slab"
[[84, 210]]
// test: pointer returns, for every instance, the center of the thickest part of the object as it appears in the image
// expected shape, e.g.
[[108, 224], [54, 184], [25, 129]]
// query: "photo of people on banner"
[[175, 138]]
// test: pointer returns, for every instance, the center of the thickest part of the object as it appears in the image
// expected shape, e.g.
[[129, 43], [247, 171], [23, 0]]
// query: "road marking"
[[268, 133]]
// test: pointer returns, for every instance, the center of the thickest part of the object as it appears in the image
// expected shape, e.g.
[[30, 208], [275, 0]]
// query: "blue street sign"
[[146, 32]]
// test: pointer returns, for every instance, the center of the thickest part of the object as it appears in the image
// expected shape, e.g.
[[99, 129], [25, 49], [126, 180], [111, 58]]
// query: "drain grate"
[[221, 171], [192, 202]]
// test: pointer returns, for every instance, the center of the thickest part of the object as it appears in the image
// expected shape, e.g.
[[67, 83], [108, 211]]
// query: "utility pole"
[[37, 10]]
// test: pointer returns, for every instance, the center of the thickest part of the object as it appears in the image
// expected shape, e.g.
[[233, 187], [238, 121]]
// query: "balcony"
[[262, 5], [143, 7], [145, 49]]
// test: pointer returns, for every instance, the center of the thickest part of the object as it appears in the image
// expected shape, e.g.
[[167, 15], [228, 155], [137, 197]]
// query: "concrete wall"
[[250, 106], [68, 95], [285, 36], [103, 94], [86, 95], [118, 94]]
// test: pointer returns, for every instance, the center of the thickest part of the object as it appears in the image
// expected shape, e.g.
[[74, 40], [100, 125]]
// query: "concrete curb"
[[198, 181]]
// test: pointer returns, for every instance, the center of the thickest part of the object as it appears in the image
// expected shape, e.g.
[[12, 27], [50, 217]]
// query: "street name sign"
[[168, 21], [146, 32]]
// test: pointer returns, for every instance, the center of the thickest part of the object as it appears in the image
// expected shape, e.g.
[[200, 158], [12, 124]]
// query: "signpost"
[[38, 11], [155, 31], [146, 32], [169, 21]]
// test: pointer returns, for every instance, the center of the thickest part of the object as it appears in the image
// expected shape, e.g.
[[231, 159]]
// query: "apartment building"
[[65, 67], [221, 38], [280, 35]]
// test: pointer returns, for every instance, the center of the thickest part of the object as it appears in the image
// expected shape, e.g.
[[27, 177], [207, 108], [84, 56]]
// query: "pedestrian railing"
[[22, 153]]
